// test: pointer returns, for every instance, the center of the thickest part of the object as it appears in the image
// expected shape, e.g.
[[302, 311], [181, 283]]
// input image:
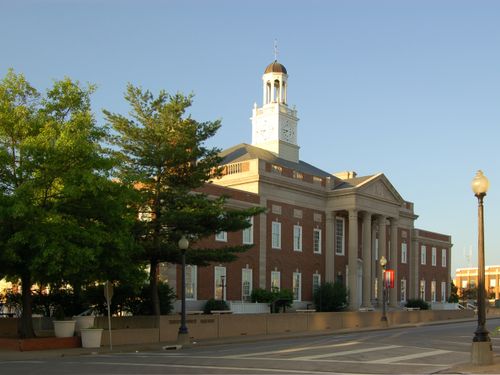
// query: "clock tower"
[[274, 125]]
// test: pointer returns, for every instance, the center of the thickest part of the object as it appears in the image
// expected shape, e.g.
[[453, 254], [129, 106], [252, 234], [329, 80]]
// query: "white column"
[[330, 247], [393, 296], [382, 251], [374, 261], [353, 260], [367, 257]]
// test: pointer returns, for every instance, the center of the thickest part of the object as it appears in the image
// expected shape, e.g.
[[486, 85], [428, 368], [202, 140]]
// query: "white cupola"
[[274, 125]]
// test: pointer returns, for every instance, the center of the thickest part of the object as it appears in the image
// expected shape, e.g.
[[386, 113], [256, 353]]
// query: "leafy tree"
[[330, 297], [164, 157], [453, 294], [62, 219]]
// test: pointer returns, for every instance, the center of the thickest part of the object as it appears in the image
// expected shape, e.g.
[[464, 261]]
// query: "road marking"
[[346, 352], [292, 350], [409, 356], [266, 370]]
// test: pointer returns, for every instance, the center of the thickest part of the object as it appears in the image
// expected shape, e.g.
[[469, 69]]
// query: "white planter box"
[[91, 337], [85, 321], [64, 328]]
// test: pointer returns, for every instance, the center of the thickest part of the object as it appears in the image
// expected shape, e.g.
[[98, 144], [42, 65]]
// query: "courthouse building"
[[318, 227], [467, 278]]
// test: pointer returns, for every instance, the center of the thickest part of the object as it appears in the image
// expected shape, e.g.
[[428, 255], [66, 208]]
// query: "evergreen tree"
[[164, 157], [62, 219]]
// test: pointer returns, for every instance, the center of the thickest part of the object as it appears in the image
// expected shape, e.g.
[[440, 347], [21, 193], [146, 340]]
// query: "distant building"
[[319, 226], [467, 278]]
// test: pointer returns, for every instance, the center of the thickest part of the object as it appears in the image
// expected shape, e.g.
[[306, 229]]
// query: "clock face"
[[288, 133]]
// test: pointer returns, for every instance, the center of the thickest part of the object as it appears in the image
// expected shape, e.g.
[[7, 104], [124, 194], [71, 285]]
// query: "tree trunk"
[[25, 327], [153, 284]]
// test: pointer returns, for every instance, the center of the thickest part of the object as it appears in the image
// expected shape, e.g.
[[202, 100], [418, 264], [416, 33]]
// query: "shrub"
[[281, 299], [417, 303], [330, 297], [215, 304], [261, 295]]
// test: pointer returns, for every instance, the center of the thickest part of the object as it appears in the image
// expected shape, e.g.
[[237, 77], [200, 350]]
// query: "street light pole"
[[383, 263], [482, 353], [183, 335]]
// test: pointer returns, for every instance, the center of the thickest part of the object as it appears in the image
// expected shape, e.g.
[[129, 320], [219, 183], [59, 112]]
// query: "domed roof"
[[275, 67]]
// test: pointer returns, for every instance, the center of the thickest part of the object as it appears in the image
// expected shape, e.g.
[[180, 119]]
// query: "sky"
[[407, 88]]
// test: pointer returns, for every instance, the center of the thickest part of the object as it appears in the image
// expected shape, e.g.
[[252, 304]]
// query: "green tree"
[[453, 293], [62, 219], [164, 157], [330, 297]]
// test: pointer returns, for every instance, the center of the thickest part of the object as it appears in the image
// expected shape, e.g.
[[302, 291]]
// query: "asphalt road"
[[425, 349]]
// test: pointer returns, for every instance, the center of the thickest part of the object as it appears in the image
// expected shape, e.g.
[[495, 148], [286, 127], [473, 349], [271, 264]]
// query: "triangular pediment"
[[379, 187]]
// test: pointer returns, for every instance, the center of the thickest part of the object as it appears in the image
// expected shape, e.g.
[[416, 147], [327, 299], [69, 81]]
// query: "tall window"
[[423, 255], [443, 258], [403, 290], [433, 291], [275, 281], [297, 238], [248, 233], [404, 253], [296, 286], [422, 290], [339, 235], [246, 284], [221, 236], [443, 291], [276, 235], [434, 256], [317, 241], [316, 282], [191, 282], [220, 282]]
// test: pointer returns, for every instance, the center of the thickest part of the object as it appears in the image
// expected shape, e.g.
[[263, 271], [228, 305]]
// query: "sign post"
[[108, 294]]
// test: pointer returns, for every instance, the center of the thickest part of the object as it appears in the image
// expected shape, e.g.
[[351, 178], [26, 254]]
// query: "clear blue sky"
[[407, 88]]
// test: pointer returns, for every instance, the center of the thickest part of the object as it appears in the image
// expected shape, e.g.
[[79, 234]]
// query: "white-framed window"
[[297, 286], [493, 283], [246, 284], [221, 236], [316, 282], [443, 258], [317, 241], [433, 291], [275, 280], [220, 282], [422, 290], [339, 236], [191, 282], [434, 256], [297, 238], [464, 284], [403, 290], [443, 291], [404, 253], [423, 255], [276, 235], [248, 233]]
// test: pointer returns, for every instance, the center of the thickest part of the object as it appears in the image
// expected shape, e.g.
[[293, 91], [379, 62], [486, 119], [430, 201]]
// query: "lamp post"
[[183, 335], [383, 263], [481, 343]]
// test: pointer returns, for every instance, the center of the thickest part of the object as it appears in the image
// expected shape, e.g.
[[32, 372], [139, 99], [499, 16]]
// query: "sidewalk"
[[461, 368]]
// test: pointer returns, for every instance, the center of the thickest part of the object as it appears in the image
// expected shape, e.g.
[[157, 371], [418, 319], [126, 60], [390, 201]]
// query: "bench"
[[194, 312], [365, 309], [412, 308], [305, 310], [221, 312]]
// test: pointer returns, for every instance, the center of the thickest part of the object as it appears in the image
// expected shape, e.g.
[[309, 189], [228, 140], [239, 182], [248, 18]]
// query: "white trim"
[[444, 256], [434, 256], [248, 233], [423, 255], [318, 242], [297, 277], [246, 273], [191, 271], [404, 252], [340, 241], [219, 287], [278, 279], [221, 236], [297, 238], [276, 235]]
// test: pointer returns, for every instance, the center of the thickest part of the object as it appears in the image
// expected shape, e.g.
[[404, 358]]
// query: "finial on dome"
[[275, 49]]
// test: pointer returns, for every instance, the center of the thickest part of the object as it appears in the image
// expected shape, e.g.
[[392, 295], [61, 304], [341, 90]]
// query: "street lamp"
[[481, 343], [383, 263], [183, 335]]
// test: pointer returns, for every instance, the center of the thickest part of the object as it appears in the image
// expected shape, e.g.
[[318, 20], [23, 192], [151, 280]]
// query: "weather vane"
[[276, 49]]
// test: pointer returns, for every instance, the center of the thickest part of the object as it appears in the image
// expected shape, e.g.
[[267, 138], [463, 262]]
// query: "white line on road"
[[292, 350], [409, 356], [346, 352]]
